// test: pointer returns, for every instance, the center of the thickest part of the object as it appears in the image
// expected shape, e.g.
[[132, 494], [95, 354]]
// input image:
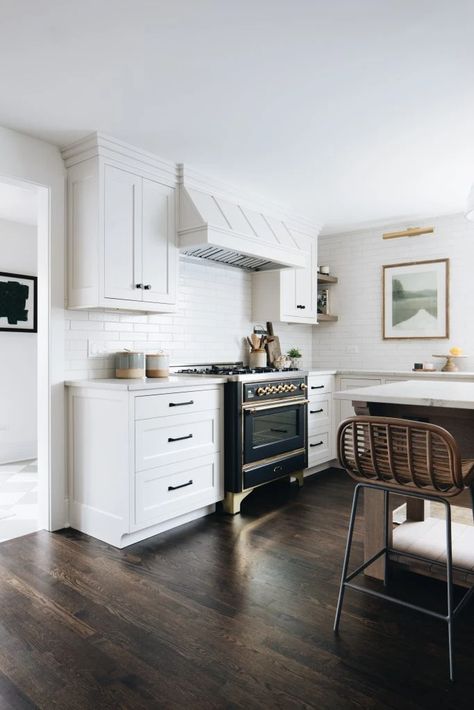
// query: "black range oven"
[[265, 434]]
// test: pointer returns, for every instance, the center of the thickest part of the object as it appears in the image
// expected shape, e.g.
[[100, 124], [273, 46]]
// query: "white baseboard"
[[21, 451]]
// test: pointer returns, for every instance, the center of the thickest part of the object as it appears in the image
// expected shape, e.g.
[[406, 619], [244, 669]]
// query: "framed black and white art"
[[18, 303]]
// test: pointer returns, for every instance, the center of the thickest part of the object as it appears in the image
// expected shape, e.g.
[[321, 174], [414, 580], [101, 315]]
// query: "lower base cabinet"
[[320, 419], [142, 462], [165, 493]]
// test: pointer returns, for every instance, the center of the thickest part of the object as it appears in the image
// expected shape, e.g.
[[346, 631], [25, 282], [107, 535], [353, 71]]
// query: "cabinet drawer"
[[162, 440], [349, 383], [319, 448], [171, 404], [176, 489], [319, 410], [320, 384]]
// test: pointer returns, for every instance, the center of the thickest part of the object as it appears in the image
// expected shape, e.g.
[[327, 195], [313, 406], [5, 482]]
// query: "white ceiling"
[[18, 204], [347, 111]]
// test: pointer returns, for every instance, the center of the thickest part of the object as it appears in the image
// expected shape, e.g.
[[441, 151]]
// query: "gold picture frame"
[[416, 300]]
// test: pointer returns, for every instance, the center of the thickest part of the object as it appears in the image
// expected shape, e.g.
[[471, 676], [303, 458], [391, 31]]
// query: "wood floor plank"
[[226, 612]]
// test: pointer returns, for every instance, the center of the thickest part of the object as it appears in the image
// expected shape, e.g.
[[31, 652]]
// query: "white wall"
[[27, 159], [357, 259], [18, 377], [212, 320]]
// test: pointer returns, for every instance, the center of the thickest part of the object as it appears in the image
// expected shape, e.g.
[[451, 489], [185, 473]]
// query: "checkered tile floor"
[[18, 499]]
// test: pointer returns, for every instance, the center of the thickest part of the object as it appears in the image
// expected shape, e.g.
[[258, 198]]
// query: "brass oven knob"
[[260, 391], [303, 386], [267, 390], [273, 389], [293, 387], [286, 388]]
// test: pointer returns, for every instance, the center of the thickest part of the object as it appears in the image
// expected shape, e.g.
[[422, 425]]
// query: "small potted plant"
[[294, 354]]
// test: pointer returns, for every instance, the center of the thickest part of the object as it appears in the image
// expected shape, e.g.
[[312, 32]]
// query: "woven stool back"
[[400, 454]]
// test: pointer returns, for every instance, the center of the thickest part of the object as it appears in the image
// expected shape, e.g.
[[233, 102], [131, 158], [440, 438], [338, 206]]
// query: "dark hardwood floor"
[[221, 613]]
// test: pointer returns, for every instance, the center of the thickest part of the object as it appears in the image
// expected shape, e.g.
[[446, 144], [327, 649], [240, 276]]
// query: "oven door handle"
[[264, 408]]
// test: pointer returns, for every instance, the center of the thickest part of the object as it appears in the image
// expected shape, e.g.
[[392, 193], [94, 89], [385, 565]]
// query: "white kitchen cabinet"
[[344, 407], [122, 249], [320, 419], [143, 461], [288, 295]]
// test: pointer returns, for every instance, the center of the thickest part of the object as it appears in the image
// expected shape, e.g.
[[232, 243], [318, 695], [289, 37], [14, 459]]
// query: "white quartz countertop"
[[437, 374], [148, 383], [426, 393], [321, 372]]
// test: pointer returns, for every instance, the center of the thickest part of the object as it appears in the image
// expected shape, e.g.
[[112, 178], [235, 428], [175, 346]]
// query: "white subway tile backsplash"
[[212, 319], [85, 325], [356, 259]]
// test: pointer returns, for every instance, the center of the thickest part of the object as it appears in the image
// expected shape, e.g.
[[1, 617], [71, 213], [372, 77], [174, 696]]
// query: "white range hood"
[[222, 230]]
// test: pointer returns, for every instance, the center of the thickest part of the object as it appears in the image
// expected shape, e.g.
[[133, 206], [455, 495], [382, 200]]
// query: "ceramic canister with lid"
[[129, 365], [157, 365]]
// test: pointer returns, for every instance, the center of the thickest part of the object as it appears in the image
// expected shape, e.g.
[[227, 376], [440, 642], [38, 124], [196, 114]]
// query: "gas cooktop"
[[237, 371]]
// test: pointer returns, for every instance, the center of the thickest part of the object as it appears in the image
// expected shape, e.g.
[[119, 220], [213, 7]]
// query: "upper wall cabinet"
[[122, 249], [289, 295]]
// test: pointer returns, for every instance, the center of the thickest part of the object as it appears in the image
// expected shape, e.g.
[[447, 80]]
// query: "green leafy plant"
[[294, 352]]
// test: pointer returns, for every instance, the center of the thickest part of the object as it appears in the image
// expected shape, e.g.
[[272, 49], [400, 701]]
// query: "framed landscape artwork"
[[18, 303], [416, 300]]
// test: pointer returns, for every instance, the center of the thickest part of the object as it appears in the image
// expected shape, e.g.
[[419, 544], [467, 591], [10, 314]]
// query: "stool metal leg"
[[347, 555], [386, 523], [449, 584]]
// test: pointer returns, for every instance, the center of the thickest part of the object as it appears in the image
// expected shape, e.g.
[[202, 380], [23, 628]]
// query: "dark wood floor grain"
[[221, 613]]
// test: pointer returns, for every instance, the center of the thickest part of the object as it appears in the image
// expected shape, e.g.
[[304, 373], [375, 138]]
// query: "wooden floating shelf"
[[326, 317], [326, 279]]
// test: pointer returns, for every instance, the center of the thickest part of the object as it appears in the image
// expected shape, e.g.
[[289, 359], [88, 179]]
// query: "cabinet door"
[[345, 405], [288, 293], [122, 225], [159, 243], [298, 294], [306, 297]]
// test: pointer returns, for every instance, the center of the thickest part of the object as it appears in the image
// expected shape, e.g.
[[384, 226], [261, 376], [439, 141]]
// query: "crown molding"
[[100, 145]]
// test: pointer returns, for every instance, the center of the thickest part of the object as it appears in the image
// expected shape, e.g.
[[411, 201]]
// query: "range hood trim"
[[239, 243], [201, 238]]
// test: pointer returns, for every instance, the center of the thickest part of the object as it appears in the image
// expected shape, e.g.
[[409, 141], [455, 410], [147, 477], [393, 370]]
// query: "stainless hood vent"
[[231, 258], [218, 229]]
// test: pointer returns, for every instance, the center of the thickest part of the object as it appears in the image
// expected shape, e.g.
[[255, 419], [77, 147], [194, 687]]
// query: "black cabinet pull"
[[301, 306], [183, 485], [317, 387], [180, 438], [318, 444], [138, 285], [147, 287], [280, 431], [181, 404], [316, 411]]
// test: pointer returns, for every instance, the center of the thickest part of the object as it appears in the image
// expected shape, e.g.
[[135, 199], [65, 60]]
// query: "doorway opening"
[[24, 476]]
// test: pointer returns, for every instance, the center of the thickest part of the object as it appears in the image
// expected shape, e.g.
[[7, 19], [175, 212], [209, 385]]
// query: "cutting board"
[[273, 348]]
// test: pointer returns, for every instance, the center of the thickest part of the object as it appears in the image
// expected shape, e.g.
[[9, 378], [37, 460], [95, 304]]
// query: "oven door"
[[273, 429]]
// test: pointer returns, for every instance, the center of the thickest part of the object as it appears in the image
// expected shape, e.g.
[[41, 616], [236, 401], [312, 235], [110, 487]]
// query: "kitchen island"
[[447, 404]]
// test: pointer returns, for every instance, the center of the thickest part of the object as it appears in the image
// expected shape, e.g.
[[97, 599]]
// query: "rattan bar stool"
[[412, 459]]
